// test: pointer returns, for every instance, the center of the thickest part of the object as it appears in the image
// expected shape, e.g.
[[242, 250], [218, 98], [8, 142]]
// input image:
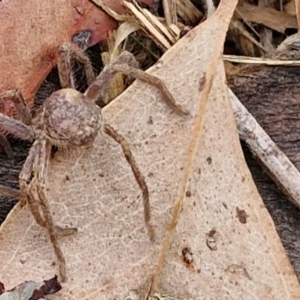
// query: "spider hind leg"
[[32, 184]]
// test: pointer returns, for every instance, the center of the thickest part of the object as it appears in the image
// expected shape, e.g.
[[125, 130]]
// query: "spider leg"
[[9, 192], [139, 74], [49, 223], [127, 64], [96, 91], [4, 143], [9, 125], [67, 52], [137, 174], [17, 128], [25, 182], [16, 97], [33, 189]]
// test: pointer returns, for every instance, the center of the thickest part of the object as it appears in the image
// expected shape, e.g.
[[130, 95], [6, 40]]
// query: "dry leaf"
[[290, 8], [225, 242], [29, 46], [269, 17], [30, 290]]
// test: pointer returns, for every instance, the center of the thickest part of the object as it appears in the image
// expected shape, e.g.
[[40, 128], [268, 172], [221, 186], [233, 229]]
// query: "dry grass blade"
[[240, 27], [170, 11], [111, 12], [159, 26], [147, 25], [116, 86], [123, 31], [188, 12], [260, 61]]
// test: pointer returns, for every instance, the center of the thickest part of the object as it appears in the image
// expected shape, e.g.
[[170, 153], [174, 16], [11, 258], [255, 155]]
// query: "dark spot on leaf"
[[202, 82], [241, 215], [212, 233], [187, 255], [209, 160], [211, 240], [150, 120]]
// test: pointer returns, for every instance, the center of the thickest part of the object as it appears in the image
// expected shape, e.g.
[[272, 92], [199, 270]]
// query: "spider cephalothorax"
[[69, 118]]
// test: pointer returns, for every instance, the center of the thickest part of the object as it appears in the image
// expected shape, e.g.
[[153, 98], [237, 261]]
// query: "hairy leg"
[[49, 223], [33, 190], [16, 97], [137, 174], [11, 126], [127, 64], [25, 179], [67, 52], [16, 128], [4, 143]]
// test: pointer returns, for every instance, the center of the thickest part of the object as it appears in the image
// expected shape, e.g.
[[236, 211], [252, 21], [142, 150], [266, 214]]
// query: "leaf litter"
[[92, 189], [31, 290]]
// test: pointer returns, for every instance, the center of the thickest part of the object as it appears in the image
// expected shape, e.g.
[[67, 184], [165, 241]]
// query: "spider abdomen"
[[70, 119]]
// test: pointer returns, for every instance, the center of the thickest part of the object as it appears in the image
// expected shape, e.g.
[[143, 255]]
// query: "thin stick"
[[137, 174], [278, 166]]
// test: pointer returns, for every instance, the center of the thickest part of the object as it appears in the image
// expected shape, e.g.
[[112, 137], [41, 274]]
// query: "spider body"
[[69, 118], [77, 124]]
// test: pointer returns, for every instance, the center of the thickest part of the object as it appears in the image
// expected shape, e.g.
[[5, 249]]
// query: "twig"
[[277, 165]]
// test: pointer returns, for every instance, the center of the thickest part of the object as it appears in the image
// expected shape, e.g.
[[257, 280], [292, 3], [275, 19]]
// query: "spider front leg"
[[128, 65], [67, 52]]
